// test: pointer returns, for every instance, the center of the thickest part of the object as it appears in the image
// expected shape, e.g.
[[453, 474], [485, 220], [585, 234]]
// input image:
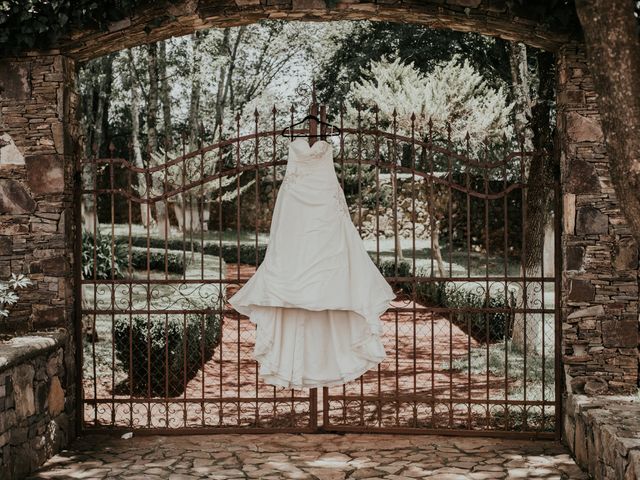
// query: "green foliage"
[[174, 262], [482, 326], [110, 257], [229, 252], [166, 351], [247, 254], [389, 268], [8, 291], [425, 47], [39, 24], [358, 183], [453, 94]]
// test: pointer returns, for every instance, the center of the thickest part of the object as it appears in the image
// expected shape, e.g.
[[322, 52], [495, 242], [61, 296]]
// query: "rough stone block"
[[56, 397], [625, 254], [48, 316], [581, 443], [594, 311], [45, 174], [581, 128], [308, 5], [22, 380], [582, 177], [590, 221], [14, 80], [620, 333], [574, 256], [10, 154], [633, 468], [14, 198], [6, 245], [595, 386], [569, 213], [581, 291], [54, 266]]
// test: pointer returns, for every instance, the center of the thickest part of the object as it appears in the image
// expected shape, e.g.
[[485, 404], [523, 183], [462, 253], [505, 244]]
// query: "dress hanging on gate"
[[317, 297]]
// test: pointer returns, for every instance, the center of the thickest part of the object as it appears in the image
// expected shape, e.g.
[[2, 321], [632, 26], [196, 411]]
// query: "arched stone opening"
[[38, 186]]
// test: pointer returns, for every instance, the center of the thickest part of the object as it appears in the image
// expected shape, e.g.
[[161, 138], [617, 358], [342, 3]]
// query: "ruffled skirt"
[[317, 297]]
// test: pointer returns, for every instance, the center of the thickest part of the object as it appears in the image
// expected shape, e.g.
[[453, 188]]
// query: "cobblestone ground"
[[319, 457]]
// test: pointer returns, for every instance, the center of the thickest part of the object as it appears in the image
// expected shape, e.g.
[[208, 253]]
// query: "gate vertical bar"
[[77, 298], [559, 378], [313, 131]]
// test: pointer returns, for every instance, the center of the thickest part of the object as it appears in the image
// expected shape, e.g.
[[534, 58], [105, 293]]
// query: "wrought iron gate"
[[472, 338]]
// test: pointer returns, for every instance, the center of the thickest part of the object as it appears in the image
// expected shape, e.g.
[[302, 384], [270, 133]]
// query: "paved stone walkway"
[[319, 457]]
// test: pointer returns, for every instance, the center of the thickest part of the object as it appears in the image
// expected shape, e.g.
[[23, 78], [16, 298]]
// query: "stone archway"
[[37, 184]]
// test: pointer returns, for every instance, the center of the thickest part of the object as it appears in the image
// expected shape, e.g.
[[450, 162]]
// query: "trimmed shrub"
[[387, 268], [229, 251], [166, 351], [482, 326], [175, 261]]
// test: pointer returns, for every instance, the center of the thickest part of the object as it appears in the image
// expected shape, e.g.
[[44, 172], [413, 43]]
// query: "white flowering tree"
[[454, 95]]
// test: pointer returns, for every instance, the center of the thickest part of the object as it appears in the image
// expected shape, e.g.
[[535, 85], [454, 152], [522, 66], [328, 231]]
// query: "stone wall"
[[155, 21], [37, 392], [600, 272], [38, 132], [37, 113], [602, 432]]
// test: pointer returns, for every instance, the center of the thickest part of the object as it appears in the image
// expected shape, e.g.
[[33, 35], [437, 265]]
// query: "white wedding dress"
[[317, 297]]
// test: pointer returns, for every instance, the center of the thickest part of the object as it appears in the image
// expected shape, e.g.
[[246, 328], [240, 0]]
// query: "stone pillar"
[[600, 274], [37, 128]]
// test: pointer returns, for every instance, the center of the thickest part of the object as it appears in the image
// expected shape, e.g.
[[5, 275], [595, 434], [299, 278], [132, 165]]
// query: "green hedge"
[[482, 326], [229, 252], [387, 268], [175, 262], [165, 349]]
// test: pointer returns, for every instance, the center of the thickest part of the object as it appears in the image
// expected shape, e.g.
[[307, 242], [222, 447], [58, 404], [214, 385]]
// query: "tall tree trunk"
[[196, 87], [142, 179], [152, 102], [394, 202], [157, 178], [539, 195], [520, 84], [167, 127], [187, 205], [95, 113], [165, 96], [613, 49]]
